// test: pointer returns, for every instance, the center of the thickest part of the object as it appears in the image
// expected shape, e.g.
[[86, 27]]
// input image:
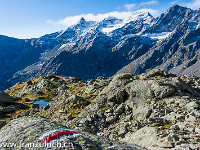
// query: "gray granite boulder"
[[5, 98]]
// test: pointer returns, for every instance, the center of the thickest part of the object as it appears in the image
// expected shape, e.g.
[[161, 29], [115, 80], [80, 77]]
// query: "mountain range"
[[89, 49]]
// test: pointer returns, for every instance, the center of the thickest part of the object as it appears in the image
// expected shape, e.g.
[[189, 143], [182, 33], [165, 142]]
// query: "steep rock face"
[[174, 16], [93, 55], [15, 54], [179, 51], [176, 53]]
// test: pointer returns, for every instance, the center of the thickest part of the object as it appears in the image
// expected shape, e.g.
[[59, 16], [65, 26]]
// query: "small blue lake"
[[41, 103]]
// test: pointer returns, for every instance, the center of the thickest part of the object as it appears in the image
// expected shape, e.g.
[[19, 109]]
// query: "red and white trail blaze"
[[58, 135]]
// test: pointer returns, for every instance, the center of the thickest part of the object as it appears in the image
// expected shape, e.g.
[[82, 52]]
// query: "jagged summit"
[[176, 6], [178, 10], [84, 23], [82, 20]]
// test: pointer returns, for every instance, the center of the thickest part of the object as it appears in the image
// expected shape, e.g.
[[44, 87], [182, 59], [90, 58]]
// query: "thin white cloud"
[[71, 20], [153, 12], [153, 2], [51, 22], [130, 6], [174, 2], [194, 5]]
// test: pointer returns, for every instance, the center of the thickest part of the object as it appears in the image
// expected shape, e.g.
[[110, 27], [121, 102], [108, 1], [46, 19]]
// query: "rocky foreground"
[[155, 110]]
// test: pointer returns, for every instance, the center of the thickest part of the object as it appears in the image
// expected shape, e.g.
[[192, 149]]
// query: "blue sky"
[[34, 18]]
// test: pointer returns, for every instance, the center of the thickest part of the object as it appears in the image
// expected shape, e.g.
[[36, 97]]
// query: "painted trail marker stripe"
[[44, 136], [57, 135], [62, 138]]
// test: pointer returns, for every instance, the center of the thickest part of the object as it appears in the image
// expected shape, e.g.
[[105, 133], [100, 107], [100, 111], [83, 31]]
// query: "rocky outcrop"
[[155, 110], [145, 111], [8, 105]]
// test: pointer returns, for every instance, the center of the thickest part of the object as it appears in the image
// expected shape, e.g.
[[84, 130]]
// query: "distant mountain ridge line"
[[88, 49]]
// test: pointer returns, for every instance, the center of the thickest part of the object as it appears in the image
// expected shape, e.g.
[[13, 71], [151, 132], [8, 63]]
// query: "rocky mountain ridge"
[[89, 49], [81, 37], [178, 53]]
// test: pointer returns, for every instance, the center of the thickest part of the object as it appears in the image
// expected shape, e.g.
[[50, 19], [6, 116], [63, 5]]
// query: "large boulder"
[[115, 92], [145, 137], [143, 89], [29, 130], [5, 98], [34, 130]]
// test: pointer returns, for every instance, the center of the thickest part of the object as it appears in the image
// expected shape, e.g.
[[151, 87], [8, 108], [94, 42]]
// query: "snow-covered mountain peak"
[[114, 23], [106, 26], [139, 15]]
